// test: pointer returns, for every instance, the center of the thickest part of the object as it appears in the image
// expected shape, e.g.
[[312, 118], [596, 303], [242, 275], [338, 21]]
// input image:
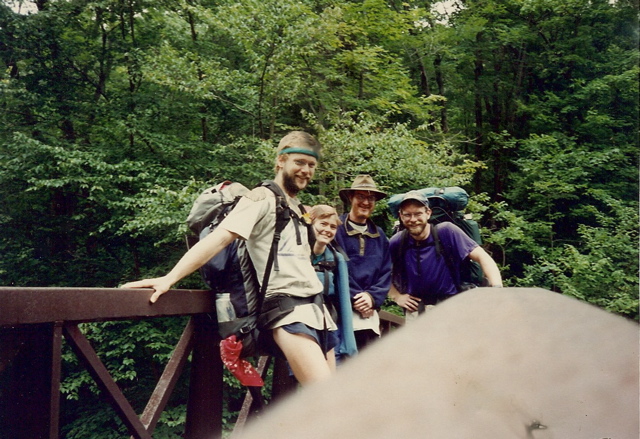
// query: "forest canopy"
[[115, 115]]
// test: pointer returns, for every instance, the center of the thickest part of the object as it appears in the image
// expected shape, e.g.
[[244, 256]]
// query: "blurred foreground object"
[[487, 363]]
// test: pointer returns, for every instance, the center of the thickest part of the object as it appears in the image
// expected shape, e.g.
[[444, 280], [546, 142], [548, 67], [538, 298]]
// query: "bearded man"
[[299, 332], [421, 277], [367, 248]]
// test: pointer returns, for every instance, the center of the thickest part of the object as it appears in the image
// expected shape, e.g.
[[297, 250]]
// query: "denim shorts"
[[317, 334]]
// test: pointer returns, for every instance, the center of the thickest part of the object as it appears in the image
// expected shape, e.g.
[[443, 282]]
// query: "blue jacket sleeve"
[[369, 262], [382, 284]]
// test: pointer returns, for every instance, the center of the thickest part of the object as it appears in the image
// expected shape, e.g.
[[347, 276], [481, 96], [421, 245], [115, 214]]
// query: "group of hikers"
[[337, 292]]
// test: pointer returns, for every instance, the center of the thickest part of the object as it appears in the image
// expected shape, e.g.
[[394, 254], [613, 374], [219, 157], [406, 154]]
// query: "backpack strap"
[[283, 215], [335, 247], [282, 218], [397, 259], [441, 251], [278, 306]]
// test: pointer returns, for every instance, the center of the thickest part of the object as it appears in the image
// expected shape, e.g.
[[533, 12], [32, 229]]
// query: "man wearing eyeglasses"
[[422, 277], [367, 248]]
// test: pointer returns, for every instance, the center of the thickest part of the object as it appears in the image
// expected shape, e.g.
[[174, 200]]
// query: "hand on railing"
[[160, 286]]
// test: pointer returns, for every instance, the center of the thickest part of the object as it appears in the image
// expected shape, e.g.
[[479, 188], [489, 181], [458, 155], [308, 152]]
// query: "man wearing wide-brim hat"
[[362, 183], [369, 263]]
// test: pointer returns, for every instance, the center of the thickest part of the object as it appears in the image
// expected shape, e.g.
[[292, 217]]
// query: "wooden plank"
[[22, 306], [168, 380], [253, 400], [204, 408], [56, 376]]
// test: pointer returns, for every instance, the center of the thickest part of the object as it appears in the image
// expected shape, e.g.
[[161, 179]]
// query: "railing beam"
[[23, 306], [253, 400]]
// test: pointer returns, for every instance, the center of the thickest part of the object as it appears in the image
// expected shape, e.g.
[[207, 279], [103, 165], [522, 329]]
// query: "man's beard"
[[290, 185], [416, 230]]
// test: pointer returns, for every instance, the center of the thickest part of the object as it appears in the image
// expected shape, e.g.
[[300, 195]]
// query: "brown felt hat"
[[362, 183]]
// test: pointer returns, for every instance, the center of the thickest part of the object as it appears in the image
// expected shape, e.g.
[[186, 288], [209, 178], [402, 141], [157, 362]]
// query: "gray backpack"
[[231, 274]]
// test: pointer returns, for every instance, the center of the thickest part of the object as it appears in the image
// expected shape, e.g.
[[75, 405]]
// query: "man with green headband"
[[306, 334]]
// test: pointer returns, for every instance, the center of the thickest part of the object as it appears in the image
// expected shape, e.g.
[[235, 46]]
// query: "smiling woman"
[[331, 267], [325, 222]]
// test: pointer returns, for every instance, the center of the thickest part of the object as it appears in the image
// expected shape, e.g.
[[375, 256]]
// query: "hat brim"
[[344, 193]]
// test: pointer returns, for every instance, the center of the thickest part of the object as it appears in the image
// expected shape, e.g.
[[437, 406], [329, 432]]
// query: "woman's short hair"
[[321, 211]]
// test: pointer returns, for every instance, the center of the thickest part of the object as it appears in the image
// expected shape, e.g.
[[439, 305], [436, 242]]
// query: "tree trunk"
[[479, 120], [437, 64]]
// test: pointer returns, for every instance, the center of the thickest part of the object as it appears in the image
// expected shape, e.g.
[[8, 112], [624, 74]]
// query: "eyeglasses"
[[408, 216], [369, 198]]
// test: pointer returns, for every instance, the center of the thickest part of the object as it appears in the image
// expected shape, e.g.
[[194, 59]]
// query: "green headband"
[[299, 151]]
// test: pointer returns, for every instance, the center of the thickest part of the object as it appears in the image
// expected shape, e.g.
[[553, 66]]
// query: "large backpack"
[[231, 274], [447, 205]]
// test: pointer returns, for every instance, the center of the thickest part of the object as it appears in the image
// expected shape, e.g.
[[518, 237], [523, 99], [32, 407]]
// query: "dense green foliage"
[[114, 115]]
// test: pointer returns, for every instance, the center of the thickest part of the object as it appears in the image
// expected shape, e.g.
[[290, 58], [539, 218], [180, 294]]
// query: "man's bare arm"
[[195, 258], [488, 265]]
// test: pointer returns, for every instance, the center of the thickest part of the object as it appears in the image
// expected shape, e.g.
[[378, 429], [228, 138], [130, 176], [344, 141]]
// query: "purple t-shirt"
[[426, 274]]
